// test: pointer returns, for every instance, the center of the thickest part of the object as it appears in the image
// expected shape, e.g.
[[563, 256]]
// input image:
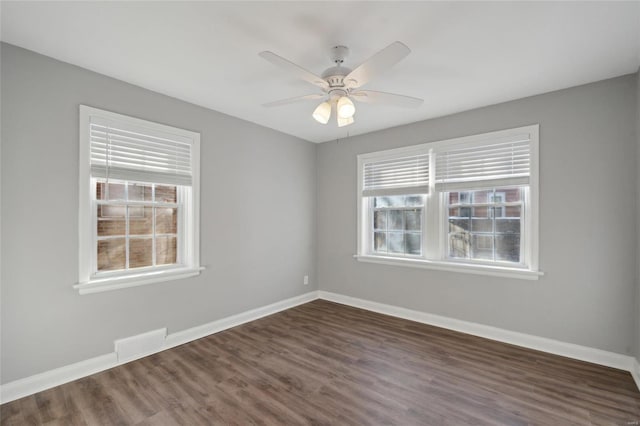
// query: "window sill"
[[115, 283], [495, 271]]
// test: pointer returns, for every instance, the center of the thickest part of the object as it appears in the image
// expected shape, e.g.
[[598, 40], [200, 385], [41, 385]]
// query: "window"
[[467, 204], [137, 225], [397, 224], [484, 226], [138, 202]]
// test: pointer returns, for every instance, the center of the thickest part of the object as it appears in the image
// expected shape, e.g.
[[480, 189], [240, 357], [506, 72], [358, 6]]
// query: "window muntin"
[[500, 233], [397, 224], [486, 225]]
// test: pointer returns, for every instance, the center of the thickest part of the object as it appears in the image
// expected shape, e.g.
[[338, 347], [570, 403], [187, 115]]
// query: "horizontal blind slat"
[[148, 176], [395, 191], [141, 158], [168, 148], [482, 184]]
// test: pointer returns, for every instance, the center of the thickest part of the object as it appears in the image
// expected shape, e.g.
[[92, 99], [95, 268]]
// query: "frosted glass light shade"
[[322, 113], [345, 121], [346, 109]]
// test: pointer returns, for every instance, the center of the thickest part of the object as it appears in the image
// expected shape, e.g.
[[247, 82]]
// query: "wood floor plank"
[[324, 363]]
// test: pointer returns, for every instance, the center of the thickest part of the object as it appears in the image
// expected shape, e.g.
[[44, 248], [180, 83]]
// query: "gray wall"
[[587, 220], [637, 330], [258, 209]]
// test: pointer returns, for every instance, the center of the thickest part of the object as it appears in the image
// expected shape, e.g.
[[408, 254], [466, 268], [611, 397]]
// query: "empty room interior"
[[278, 213]]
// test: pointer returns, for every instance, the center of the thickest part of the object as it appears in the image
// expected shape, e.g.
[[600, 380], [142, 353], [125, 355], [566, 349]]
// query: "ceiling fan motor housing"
[[334, 76]]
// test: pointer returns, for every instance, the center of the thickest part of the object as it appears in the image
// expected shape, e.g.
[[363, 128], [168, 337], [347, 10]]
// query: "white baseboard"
[[43, 381], [49, 379], [635, 372], [185, 336], [569, 350]]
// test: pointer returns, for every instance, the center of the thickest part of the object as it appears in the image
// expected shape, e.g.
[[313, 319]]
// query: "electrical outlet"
[[306, 280]]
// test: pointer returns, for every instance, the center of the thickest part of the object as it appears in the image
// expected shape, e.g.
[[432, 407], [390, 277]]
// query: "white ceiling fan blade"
[[381, 61], [293, 100], [387, 98], [294, 69]]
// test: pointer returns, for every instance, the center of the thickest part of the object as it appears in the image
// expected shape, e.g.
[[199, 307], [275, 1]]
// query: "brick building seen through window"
[[137, 225], [486, 224]]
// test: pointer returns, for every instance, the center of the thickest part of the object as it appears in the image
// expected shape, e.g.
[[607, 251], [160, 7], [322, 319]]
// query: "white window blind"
[[123, 151], [488, 163], [398, 176]]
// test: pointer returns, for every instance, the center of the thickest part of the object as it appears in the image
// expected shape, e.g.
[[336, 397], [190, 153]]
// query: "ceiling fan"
[[341, 85]]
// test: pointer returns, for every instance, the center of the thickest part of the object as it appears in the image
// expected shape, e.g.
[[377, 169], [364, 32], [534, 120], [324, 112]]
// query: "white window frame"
[[435, 220], [91, 281]]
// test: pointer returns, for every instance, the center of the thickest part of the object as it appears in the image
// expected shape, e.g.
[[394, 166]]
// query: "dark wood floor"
[[325, 363]]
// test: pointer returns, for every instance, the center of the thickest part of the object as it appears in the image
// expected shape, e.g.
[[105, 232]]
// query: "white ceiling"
[[464, 55]]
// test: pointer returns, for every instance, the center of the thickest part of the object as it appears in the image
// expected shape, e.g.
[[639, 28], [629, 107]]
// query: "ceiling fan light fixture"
[[346, 108], [322, 113], [345, 121]]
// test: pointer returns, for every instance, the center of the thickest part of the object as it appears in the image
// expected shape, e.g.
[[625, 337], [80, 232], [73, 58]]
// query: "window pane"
[[480, 197], [512, 211], [116, 191], [458, 222], [481, 224], [380, 202], [395, 220], [414, 243], [140, 192], [464, 197], [414, 200], [508, 225], [390, 201], [398, 201], [412, 220], [482, 247], [140, 252], [166, 194], [380, 219], [496, 211], [481, 212], [111, 254], [140, 220], [508, 248], [395, 242], [101, 192], [111, 220], [166, 220], [166, 250], [481, 232], [511, 195], [459, 246], [380, 241]]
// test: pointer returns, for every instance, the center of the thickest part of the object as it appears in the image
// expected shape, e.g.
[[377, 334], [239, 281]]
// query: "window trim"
[[434, 256], [86, 239]]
